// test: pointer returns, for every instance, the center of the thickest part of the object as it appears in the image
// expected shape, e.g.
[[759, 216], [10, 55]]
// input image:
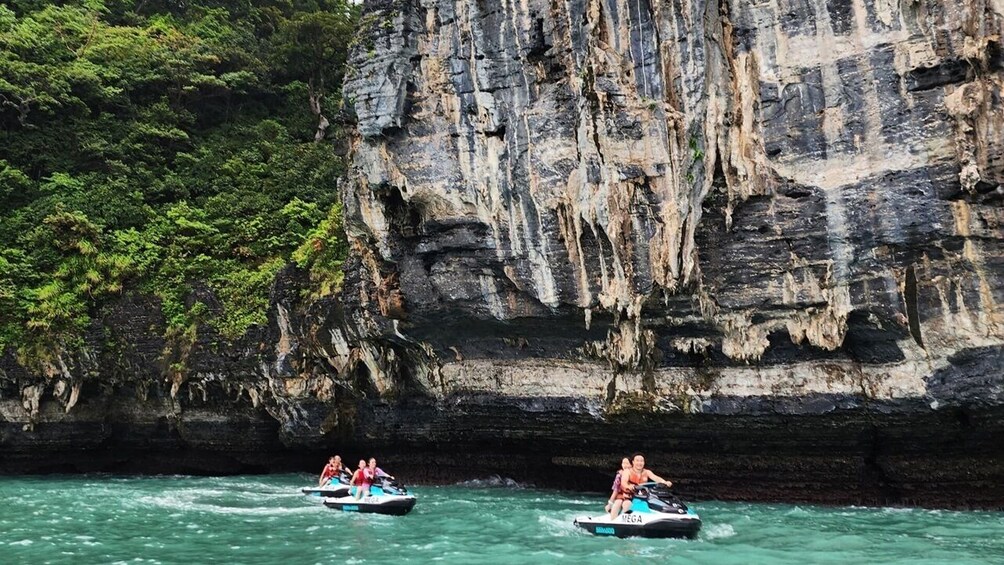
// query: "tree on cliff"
[[153, 146]]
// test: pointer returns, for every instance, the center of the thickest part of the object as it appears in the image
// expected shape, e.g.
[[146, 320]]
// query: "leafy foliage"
[[156, 146]]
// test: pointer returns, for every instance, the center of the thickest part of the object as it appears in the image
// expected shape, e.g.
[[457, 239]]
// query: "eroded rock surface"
[[760, 240], [702, 208]]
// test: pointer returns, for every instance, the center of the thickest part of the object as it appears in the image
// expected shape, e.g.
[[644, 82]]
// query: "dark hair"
[[639, 454]]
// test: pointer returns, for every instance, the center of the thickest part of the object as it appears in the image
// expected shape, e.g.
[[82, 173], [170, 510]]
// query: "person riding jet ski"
[[330, 471], [362, 480], [616, 493], [334, 480], [377, 472]]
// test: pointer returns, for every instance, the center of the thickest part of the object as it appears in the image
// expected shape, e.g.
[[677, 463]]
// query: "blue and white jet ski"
[[387, 497], [335, 487], [655, 513]]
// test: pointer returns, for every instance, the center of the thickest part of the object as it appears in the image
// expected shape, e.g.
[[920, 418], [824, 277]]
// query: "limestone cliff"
[[761, 240], [685, 206], [707, 178]]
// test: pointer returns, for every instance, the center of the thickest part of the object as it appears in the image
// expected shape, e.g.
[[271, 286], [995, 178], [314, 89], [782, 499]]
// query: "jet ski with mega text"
[[655, 512], [385, 497], [335, 487]]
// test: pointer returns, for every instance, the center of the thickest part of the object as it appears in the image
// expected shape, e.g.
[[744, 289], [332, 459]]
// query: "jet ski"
[[335, 487], [655, 513], [387, 497]]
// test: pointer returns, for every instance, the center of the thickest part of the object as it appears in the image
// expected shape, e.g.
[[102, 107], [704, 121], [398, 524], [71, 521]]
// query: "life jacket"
[[358, 478], [330, 471], [624, 480], [633, 478]]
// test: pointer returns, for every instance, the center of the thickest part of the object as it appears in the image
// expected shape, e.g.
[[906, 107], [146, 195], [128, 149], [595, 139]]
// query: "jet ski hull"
[[631, 525], [654, 512], [394, 505], [333, 491]]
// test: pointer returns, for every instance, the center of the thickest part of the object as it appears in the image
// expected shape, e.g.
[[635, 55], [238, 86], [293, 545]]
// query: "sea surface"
[[264, 519]]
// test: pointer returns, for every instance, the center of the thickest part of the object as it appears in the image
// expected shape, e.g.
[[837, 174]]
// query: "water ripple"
[[253, 520]]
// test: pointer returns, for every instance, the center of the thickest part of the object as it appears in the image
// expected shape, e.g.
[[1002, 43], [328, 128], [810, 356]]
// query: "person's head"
[[372, 462], [638, 461], [625, 464], [362, 463]]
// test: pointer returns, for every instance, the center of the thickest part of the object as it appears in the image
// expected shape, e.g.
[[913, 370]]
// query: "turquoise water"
[[260, 519]]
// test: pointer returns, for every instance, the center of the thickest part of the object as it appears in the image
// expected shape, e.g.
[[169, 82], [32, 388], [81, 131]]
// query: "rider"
[[639, 474], [361, 479], [630, 481], [377, 472], [331, 470], [616, 498]]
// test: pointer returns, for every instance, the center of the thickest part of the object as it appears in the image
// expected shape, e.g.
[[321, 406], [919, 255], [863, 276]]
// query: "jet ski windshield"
[[660, 499]]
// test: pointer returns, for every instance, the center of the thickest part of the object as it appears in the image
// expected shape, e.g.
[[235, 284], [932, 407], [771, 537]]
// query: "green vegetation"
[[156, 146], [695, 149]]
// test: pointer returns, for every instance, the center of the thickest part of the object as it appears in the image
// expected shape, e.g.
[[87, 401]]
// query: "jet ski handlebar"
[[658, 489], [388, 483]]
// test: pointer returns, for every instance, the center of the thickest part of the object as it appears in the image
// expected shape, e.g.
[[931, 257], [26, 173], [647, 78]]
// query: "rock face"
[[722, 215], [761, 241]]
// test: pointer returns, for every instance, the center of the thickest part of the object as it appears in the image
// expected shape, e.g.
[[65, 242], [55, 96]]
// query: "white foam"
[[558, 527], [718, 531], [191, 506], [494, 481], [797, 511], [596, 503]]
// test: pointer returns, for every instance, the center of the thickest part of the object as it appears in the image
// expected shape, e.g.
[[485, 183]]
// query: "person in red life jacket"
[[639, 474], [377, 472], [616, 496], [330, 471], [362, 479]]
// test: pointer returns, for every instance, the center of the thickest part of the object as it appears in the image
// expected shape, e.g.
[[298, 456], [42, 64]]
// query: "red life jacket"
[[330, 471], [633, 478]]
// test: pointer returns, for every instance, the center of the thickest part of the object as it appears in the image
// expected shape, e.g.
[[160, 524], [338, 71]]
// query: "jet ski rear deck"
[[330, 490], [335, 487]]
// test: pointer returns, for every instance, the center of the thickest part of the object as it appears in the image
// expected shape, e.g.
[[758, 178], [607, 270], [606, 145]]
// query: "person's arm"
[[320, 480], [381, 473], [657, 478], [613, 496], [613, 491]]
